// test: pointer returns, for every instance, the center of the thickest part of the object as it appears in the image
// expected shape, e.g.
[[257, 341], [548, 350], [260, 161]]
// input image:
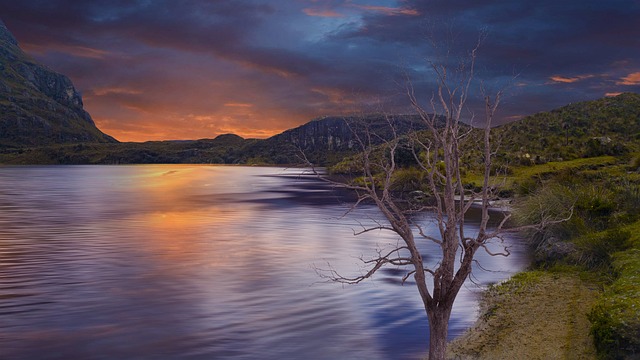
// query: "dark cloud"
[[537, 40], [192, 69]]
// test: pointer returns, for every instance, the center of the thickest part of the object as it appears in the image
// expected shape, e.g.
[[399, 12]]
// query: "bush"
[[628, 198], [595, 250], [615, 318], [635, 163], [595, 204], [549, 203], [410, 179], [527, 186]]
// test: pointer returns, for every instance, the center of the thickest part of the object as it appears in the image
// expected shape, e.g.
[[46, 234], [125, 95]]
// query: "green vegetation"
[[598, 247], [608, 126], [581, 163], [616, 315], [602, 238], [225, 149]]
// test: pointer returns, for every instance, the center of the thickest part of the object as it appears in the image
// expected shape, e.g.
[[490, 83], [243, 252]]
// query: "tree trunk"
[[438, 331]]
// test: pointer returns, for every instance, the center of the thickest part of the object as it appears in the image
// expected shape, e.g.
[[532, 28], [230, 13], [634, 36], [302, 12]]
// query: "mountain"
[[328, 139], [37, 105], [340, 133]]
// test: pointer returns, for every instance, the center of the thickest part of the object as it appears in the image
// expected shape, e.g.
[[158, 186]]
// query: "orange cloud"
[[611, 94], [115, 90], [77, 51], [248, 133], [337, 100], [202, 117], [569, 80], [389, 10], [514, 117], [140, 132], [562, 79], [240, 105], [631, 79], [321, 13]]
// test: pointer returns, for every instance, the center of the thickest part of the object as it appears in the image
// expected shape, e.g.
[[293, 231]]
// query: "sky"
[[163, 70]]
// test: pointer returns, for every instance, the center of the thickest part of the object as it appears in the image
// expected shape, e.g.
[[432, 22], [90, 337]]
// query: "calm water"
[[200, 262]]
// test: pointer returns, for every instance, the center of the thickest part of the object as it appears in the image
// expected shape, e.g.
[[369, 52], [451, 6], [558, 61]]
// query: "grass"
[[555, 166], [524, 176], [616, 314], [534, 315]]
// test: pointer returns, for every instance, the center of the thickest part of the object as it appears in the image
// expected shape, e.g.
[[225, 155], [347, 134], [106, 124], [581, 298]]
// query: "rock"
[[39, 106], [554, 249]]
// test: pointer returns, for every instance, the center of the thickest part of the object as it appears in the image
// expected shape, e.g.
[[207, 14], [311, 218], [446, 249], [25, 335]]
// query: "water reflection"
[[197, 262]]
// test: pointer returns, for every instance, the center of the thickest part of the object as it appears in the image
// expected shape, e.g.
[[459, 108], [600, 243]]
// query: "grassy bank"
[[592, 310], [535, 315]]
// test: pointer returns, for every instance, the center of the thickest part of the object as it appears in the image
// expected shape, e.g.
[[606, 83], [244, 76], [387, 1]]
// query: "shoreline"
[[533, 315]]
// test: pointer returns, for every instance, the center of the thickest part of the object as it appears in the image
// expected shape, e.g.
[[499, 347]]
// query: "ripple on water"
[[198, 262]]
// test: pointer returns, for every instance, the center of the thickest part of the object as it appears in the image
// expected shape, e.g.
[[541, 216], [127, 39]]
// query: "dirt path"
[[535, 316]]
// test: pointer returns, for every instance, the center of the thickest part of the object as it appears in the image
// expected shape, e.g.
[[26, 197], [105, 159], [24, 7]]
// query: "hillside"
[[224, 149], [37, 105], [607, 126], [327, 140]]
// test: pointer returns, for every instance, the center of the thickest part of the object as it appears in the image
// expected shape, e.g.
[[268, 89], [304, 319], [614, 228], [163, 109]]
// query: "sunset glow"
[[173, 70], [321, 13], [570, 80], [631, 79], [390, 10]]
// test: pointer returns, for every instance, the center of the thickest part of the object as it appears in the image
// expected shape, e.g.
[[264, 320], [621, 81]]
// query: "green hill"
[[607, 126]]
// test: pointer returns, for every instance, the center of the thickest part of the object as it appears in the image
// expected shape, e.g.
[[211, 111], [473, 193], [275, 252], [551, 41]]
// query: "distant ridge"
[[37, 105], [607, 126], [328, 139]]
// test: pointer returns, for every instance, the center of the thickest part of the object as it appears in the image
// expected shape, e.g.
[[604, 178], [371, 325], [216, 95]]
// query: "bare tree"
[[439, 155]]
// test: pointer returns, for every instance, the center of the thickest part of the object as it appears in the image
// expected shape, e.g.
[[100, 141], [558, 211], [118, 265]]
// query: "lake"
[[203, 262]]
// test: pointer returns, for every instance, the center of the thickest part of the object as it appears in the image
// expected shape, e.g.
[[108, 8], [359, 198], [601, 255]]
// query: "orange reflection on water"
[[184, 211]]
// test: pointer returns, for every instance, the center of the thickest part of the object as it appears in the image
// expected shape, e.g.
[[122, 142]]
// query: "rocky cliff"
[[37, 105], [326, 140], [341, 133]]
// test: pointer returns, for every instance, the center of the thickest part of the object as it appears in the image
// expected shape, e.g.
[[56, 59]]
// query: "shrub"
[[615, 318], [595, 249], [551, 202], [409, 179], [595, 204], [527, 186], [635, 163], [628, 198]]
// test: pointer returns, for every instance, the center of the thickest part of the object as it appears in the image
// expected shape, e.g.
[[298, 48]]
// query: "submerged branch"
[[378, 262]]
